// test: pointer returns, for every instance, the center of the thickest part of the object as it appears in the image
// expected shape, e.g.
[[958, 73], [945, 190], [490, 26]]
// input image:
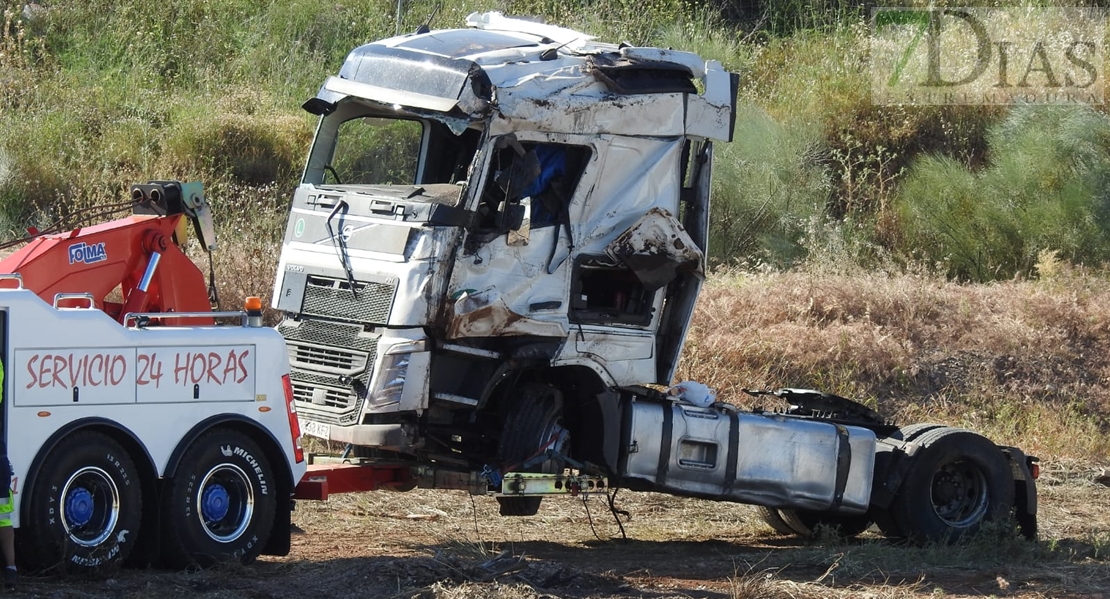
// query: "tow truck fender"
[[238, 421], [120, 433]]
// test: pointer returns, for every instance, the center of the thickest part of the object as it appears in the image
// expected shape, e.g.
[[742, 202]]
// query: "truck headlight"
[[390, 379]]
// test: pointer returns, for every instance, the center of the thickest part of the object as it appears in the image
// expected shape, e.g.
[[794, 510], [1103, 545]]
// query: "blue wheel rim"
[[214, 503], [90, 506], [79, 507], [226, 500]]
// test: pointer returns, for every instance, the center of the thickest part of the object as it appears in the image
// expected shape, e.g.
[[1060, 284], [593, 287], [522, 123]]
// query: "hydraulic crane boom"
[[138, 254]]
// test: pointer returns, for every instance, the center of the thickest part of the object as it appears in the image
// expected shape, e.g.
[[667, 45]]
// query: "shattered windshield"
[[360, 150], [376, 151]]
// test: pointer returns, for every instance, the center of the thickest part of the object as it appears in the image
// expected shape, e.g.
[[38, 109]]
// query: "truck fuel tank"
[[770, 460]]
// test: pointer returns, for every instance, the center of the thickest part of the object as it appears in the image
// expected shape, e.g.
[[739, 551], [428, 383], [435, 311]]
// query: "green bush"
[[768, 187], [1044, 188], [254, 147]]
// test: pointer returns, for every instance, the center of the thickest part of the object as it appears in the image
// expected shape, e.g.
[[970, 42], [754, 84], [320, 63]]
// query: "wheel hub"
[[79, 506], [226, 501], [90, 506], [215, 502], [959, 494]]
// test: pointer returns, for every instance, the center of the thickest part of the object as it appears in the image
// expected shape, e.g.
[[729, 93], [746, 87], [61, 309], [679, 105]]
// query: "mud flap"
[[280, 537], [1025, 491]]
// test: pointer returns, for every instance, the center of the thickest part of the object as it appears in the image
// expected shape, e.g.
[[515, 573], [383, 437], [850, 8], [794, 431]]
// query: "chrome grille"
[[335, 334], [332, 298], [326, 404], [319, 352], [329, 359]]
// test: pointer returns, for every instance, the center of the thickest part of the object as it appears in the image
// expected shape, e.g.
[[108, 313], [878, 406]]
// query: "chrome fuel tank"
[[769, 460]]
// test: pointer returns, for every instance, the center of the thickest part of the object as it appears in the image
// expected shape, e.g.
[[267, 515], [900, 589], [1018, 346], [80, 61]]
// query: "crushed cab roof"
[[537, 75]]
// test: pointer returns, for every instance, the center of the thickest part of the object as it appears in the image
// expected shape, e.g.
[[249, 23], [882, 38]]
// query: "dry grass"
[[428, 544], [1024, 361]]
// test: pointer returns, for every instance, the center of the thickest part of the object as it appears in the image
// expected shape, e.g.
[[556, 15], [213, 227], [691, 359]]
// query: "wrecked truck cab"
[[468, 187], [497, 246]]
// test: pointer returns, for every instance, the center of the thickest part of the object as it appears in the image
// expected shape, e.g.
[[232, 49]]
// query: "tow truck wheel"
[[84, 507], [957, 481], [533, 425], [220, 503]]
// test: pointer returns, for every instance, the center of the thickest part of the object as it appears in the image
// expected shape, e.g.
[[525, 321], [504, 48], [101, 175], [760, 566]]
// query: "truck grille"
[[323, 358], [325, 404], [332, 298], [319, 352], [335, 334]]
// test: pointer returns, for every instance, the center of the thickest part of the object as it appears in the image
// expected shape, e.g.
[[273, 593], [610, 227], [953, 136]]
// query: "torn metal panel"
[[495, 21], [485, 314], [713, 114], [615, 346], [632, 176], [656, 249], [632, 363], [516, 275], [692, 62], [659, 114]]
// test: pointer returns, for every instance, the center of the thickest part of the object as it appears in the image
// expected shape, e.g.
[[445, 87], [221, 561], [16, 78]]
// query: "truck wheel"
[[220, 503], [913, 431], [533, 420], [882, 517], [957, 481], [84, 507], [773, 518], [805, 523]]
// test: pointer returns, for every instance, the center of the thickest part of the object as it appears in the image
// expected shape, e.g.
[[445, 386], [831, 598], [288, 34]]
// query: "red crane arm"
[[100, 258]]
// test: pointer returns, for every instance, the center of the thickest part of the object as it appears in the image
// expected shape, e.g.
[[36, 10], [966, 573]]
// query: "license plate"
[[316, 429]]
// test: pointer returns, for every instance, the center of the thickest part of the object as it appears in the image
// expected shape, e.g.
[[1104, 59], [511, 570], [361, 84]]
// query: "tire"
[[774, 519], [805, 523], [882, 517], [958, 480], [913, 431], [534, 418], [220, 504], [84, 507]]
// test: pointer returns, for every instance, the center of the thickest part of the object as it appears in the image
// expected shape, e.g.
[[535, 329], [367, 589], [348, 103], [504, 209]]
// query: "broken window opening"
[[607, 293], [377, 151], [528, 185], [370, 150]]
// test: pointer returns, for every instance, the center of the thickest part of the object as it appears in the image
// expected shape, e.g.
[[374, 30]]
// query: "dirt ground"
[[447, 545]]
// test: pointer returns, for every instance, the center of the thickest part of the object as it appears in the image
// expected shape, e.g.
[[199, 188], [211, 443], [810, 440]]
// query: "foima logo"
[[987, 56], [87, 254]]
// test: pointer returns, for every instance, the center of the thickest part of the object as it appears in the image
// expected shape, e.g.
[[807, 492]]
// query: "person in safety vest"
[[7, 533]]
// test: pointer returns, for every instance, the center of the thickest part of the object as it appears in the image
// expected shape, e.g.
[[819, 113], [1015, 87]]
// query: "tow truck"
[[139, 430], [488, 273]]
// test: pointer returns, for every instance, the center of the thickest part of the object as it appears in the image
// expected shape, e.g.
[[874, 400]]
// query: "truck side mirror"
[[523, 172], [514, 216]]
